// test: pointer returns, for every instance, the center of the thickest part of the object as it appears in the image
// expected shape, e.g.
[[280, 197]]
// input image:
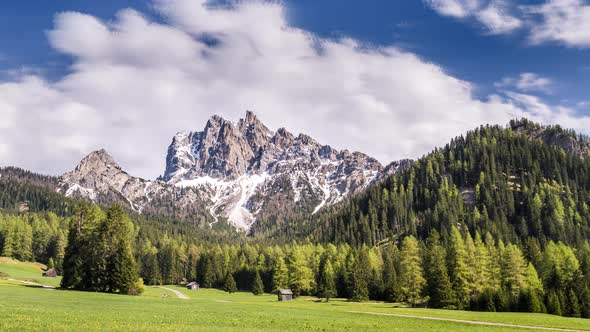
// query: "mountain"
[[237, 172], [516, 182]]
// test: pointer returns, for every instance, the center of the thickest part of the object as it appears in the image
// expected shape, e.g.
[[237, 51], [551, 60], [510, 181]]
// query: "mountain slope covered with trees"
[[497, 220]]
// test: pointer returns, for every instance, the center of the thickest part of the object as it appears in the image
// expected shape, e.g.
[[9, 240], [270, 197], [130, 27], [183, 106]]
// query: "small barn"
[[52, 273], [192, 286], [285, 295]]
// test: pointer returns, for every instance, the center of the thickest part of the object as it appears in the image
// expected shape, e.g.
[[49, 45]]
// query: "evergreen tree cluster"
[[99, 254], [40, 237], [492, 180], [471, 273]]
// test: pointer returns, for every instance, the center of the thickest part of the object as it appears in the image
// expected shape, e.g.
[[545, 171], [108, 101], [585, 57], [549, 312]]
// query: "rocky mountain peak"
[[95, 160], [240, 172]]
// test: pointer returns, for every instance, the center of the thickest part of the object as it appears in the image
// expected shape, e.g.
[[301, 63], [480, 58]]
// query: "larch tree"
[[459, 269], [411, 274]]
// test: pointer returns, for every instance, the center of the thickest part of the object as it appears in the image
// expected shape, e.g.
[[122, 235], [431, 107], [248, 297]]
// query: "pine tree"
[[360, 277], [554, 304], [574, 309], [327, 280], [257, 286], [438, 283], [50, 264], [9, 238], [412, 276], [230, 284], [122, 269]]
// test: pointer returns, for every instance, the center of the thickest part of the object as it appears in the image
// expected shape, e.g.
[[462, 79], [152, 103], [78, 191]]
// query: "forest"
[[495, 221]]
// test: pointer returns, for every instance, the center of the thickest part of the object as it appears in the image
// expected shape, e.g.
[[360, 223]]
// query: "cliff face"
[[236, 171]]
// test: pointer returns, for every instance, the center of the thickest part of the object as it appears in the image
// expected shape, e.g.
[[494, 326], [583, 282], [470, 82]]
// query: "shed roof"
[[192, 283], [285, 292]]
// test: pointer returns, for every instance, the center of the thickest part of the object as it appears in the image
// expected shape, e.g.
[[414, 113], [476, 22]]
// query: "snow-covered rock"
[[243, 165], [237, 172]]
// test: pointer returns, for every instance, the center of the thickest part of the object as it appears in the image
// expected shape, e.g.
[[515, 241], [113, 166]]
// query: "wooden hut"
[[192, 286], [285, 295], [52, 273]]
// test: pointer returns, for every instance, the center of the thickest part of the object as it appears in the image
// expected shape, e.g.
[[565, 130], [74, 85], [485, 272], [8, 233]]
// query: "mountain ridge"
[[234, 171]]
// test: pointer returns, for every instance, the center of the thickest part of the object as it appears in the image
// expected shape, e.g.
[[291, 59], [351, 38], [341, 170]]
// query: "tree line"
[[494, 221], [462, 272]]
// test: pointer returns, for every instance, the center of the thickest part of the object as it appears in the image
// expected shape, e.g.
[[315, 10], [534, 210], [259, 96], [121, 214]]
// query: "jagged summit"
[[246, 168], [95, 159], [240, 171]]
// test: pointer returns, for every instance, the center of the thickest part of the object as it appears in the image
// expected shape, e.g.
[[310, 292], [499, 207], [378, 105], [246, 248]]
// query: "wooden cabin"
[[192, 286], [285, 295]]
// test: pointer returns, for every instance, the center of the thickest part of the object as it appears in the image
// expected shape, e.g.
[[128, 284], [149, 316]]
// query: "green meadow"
[[29, 308]]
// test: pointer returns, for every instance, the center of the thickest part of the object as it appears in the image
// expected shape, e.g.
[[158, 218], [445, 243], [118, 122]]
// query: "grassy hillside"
[[11, 268], [29, 308]]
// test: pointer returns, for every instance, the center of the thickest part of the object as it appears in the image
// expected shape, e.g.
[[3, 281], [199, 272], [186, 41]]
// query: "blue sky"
[[466, 62], [464, 49]]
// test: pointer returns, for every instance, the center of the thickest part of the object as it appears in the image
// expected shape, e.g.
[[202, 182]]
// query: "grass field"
[[26, 271], [26, 308]]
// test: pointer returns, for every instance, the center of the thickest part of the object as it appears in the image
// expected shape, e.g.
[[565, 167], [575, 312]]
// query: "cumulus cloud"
[[527, 82], [563, 21], [537, 109], [495, 15], [135, 82]]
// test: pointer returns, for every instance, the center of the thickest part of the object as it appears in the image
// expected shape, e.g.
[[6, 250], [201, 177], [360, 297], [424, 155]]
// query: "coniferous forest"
[[497, 220]]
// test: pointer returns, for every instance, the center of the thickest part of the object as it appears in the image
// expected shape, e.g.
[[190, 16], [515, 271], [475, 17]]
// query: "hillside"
[[499, 180]]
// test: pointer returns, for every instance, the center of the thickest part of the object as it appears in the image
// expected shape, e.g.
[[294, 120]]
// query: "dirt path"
[[474, 322], [179, 294], [32, 283]]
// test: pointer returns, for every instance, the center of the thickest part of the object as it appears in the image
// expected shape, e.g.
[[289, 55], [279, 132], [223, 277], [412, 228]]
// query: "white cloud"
[[495, 15], [454, 8], [537, 109], [497, 18], [563, 21], [134, 83], [527, 82]]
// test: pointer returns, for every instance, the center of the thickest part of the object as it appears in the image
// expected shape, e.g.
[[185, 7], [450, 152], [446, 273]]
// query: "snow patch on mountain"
[[235, 172]]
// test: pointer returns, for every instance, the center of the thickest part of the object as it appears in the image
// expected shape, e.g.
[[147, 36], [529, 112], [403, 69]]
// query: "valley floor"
[[27, 307]]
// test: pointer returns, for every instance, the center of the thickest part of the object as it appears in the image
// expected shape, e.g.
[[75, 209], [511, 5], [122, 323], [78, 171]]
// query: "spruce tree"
[[360, 277], [327, 281], [230, 284], [573, 309], [51, 264], [257, 286], [439, 287], [391, 284], [554, 304]]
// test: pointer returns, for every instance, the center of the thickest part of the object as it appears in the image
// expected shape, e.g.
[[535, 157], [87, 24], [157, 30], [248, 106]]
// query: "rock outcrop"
[[237, 172]]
